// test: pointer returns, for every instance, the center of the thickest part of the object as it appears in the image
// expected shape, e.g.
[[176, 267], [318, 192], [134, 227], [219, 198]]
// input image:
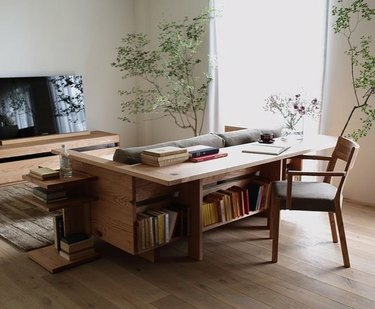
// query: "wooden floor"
[[235, 272]]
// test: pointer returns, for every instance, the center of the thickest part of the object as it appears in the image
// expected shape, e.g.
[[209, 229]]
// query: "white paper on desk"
[[265, 149]]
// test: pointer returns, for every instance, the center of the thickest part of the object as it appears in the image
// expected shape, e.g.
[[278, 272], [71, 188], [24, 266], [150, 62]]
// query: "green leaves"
[[174, 88], [362, 59]]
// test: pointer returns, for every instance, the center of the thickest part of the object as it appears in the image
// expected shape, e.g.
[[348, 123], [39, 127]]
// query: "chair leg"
[[275, 224], [344, 246], [333, 227]]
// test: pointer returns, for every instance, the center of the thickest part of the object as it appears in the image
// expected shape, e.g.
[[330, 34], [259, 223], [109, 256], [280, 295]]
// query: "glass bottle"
[[65, 164]]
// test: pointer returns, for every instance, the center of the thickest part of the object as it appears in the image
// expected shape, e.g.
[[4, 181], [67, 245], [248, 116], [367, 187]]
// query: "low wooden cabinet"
[[76, 216], [18, 156], [120, 196]]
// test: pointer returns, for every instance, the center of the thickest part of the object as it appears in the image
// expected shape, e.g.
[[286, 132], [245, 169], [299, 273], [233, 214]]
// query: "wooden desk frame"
[[124, 190]]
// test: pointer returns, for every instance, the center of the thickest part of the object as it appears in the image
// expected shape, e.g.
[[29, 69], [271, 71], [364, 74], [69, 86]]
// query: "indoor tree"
[[362, 60], [169, 84]]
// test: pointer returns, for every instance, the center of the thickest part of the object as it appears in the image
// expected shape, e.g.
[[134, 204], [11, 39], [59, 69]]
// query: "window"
[[263, 48]]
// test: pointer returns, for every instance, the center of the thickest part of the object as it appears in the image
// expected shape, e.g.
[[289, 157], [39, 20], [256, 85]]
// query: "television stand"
[[42, 137], [16, 159]]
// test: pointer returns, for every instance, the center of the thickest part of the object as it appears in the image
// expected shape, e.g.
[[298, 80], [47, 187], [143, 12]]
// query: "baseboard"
[[359, 202]]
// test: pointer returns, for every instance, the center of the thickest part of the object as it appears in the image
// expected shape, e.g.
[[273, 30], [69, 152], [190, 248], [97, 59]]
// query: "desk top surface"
[[236, 160]]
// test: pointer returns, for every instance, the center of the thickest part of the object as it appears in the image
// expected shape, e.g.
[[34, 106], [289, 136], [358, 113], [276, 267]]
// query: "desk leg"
[[273, 172], [191, 196]]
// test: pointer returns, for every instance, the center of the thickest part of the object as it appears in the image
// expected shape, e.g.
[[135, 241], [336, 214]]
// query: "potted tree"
[[169, 82]]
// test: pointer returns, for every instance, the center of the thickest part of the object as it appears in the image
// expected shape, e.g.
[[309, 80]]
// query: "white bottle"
[[65, 164]]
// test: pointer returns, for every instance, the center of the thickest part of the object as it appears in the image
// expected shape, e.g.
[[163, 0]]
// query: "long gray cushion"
[[240, 137], [132, 155], [246, 136]]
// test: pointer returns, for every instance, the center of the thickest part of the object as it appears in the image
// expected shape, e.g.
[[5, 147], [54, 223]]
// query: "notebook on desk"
[[265, 149]]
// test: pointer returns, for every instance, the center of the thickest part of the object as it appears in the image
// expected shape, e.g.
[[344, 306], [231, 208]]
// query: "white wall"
[[339, 100], [39, 37]]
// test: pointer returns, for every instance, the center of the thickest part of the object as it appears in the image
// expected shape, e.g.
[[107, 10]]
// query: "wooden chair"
[[314, 195]]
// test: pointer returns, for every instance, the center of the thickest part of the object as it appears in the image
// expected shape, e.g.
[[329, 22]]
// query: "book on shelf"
[[77, 255], [182, 227], [208, 157], [50, 200], [218, 204], [244, 198], [172, 222], [232, 200], [44, 173], [74, 237], [164, 151], [255, 196], [76, 242], [160, 226], [146, 230], [58, 228], [265, 149], [201, 150], [227, 204], [164, 160], [49, 193]]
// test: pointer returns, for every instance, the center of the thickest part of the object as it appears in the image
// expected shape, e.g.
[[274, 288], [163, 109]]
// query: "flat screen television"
[[34, 106]]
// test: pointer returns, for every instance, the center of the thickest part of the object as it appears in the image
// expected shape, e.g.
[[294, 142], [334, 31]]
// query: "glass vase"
[[293, 132]]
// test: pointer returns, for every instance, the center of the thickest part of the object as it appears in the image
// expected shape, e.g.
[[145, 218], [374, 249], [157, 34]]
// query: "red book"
[[208, 157]]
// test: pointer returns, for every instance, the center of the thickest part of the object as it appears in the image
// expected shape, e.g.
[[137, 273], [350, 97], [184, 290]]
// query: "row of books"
[[232, 203], [158, 226], [74, 246], [170, 155]]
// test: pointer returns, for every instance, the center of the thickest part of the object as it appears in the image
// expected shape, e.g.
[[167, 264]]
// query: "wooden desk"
[[121, 189]]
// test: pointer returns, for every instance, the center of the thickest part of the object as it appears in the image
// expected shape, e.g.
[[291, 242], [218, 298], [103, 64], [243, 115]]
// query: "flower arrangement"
[[293, 109]]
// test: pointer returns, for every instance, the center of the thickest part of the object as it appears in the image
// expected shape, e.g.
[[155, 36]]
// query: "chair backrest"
[[346, 151]]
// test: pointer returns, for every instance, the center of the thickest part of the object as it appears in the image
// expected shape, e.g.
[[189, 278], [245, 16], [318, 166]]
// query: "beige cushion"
[[312, 196]]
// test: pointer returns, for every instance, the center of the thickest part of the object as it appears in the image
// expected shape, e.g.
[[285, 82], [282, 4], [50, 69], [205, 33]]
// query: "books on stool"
[[77, 246]]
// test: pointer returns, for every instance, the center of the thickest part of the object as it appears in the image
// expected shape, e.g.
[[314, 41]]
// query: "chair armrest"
[[313, 157], [317, 173]]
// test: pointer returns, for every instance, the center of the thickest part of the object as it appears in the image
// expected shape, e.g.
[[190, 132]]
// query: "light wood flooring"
[[235, 272]]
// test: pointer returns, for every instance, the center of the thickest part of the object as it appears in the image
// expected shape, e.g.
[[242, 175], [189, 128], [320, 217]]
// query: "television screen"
[[33, 106]]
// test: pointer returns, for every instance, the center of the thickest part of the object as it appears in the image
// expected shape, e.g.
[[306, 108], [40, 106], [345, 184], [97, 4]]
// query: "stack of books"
[[164, 156], [77, 246], [44, 173], [201, 153], [49, 195]]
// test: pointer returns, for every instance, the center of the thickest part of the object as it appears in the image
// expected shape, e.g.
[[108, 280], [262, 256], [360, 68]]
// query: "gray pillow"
[[245, 136], [132, 155], [240, 137]]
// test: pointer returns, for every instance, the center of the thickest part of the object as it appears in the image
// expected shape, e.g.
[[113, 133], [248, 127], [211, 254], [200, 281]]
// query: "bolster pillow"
[[245, 136], [132, 155]]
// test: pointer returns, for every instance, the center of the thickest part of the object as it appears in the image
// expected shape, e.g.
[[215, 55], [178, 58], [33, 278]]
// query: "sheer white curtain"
[[263, 48], [70, 110]]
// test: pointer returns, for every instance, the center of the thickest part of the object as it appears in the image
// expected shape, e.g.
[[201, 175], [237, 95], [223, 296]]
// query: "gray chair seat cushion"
[[311, 196], [132, 155]]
